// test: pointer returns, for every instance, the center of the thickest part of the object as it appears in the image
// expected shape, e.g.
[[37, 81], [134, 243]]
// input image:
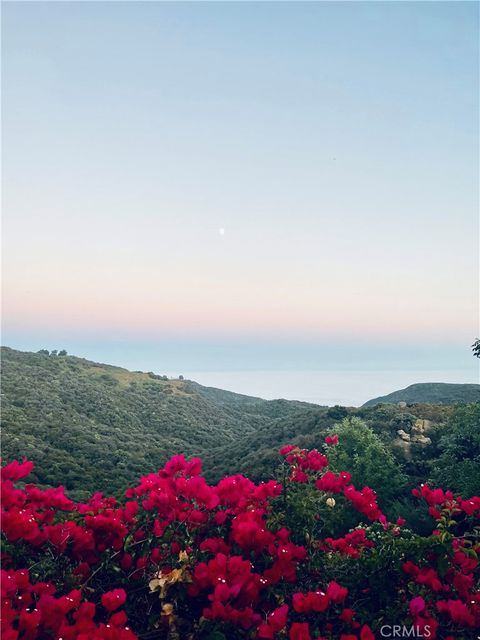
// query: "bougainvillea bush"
[[179, 558]]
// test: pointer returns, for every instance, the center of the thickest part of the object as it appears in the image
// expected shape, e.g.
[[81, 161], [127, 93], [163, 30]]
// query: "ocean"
[[349, 388]]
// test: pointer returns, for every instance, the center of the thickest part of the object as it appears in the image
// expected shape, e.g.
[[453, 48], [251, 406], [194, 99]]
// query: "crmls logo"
[[399, 631]]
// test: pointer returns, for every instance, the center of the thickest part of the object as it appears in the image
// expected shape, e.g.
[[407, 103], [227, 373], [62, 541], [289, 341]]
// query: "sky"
[[242, 185]]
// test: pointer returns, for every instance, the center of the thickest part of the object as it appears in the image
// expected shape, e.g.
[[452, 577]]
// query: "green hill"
[[91, 426], [94, 425], [431, 392]]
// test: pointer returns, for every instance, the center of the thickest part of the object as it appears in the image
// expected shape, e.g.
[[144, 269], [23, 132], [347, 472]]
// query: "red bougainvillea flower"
[[347, 615], [364, 501], [417, 606], [299, 631], [336, 593], [333, 483], [366, 633], [227, 558], [16, 470], [331, 440], [458, 612], [352, 544], [114, 599], [312, 601], [276, 621], [249, 531], [284, 451], [471, 506], [303, 461]]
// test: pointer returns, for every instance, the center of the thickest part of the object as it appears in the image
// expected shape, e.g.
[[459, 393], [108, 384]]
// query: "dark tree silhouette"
[[476, 348]]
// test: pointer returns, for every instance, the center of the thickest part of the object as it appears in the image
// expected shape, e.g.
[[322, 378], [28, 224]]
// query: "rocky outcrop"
[[416, 434]]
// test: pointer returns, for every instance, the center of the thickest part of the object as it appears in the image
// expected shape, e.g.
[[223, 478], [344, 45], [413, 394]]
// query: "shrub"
[[180, 558]]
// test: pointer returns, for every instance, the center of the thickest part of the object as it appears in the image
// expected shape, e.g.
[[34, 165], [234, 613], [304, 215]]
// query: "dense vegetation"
[[311, 558], [313, 554], [91, 426], [433, 393]]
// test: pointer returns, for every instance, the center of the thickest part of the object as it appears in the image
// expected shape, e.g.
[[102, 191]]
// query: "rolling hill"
[[432, 393], [91, 426]]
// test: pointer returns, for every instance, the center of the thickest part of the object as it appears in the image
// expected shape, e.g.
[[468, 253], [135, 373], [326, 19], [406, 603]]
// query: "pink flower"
[[284, 451], [114, 599], [16, 470], [312, 601], [336, 593], [457, 611], [299, 631], [417, 605], [276, 621], [366, 633]]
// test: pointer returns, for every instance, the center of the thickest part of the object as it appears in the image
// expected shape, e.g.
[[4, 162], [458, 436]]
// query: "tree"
[[44, 352], [337, 412], [458, 467], [362, 452], [62, 352], [476, 348]]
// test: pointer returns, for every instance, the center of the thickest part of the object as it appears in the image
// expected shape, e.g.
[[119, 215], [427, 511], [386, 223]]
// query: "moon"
[[221, 231]]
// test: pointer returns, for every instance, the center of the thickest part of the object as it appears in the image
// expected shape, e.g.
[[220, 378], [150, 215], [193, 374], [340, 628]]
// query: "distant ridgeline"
[[92, 426], [431, 392]]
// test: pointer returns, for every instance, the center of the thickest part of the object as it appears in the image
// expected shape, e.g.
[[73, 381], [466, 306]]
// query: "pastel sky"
[[204, 177]]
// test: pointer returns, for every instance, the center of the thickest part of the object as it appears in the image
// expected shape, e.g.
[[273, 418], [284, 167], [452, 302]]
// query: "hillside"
[[431, 392], [88, 424], [91, 426]]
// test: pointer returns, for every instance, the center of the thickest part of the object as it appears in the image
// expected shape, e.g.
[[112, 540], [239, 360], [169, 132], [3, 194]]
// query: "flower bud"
[[330, 502]]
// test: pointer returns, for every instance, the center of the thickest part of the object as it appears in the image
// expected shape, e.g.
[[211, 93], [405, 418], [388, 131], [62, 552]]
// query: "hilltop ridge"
[[431, 392]]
